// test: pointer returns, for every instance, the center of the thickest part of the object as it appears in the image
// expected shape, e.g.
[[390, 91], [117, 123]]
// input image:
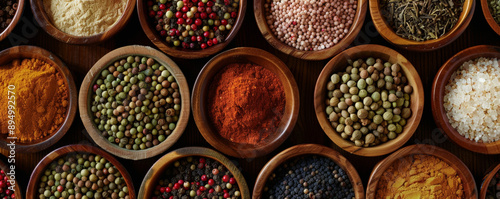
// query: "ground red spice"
[[246, 103]]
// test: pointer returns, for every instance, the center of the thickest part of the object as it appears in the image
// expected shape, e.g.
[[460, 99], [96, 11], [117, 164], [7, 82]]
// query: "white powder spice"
[[472, 100], [84, 17]]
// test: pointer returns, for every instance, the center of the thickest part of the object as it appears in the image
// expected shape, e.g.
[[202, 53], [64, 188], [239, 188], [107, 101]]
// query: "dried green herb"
[[421, 20], [494, 6]]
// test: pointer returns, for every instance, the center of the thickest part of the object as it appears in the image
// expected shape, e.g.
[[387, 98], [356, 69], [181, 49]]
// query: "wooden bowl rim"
[[17, 187], [260, 17], [389, 35], [287, 122], [437, 97], [43, 20], [76, 148], [15, 20], [417, 98], [164, 162], [487, 179], [304, 149], [85, 94], [18, 52], [489, 18], [423, 149], [187, 53]]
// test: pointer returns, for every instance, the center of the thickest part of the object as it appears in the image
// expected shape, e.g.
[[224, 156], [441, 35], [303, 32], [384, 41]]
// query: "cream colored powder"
[[84, 17]]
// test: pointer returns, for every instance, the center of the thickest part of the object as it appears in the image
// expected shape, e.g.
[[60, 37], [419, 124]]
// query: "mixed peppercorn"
[[493, 191], [5, 192], [7, 11], [193, 24]]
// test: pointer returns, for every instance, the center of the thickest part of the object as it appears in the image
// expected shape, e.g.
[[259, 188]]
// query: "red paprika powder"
[[246, 103]]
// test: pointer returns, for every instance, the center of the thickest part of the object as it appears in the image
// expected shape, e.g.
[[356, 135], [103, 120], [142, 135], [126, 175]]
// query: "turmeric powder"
[[420, 176], [41, 99]]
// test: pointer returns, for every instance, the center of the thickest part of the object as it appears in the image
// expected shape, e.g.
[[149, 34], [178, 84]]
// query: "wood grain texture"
[[438, 91], [202, 88], [487, 180], [32, 190], [489, 18], [17, 188], [469, 185], [338, 64], [15, 20]]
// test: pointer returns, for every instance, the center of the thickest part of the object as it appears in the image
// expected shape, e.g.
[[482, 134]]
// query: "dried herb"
[[421, 20], [494, 6]]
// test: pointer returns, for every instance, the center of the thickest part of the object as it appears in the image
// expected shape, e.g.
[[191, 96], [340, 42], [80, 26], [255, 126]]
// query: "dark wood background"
[[80, 58]]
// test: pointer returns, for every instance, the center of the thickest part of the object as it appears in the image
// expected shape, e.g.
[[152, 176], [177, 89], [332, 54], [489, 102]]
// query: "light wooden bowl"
[[22, 52], [308, 149], [463, 172], [487, 179], [86, 94], [157, 170], [32, 190], [44, 20], [12, 25], [390, 35], [489, 18], [17, 187], [179, 52], [201, 90], [339, 63], [260, 17], [437, 95]]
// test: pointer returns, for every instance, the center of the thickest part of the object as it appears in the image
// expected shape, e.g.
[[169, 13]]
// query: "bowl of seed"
[[465, 99], [134, 102], [10, 13], [311, 30], [490, 187], [80, 171], [191, 29], [414, 25], [491, 12], [308, 171], [9, 187], [369, 100], [194, 172]]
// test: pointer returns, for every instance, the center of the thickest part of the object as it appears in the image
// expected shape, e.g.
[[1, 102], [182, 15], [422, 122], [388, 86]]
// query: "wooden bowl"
[[44, 21], [489, 18], [201, 90], [21, 52], [487, 179], [339, 63], [12, 25], [260, 17], [437, 96], [32, 190], [390, 35], [308, 149], [17, 188], [463, 172], [179, 52], [86, 94], [157, 170]]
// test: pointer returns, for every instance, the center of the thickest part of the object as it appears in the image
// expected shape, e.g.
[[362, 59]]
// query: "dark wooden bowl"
[[86, 94], [21, 52], [463, 172], [339, 63], [32, 190], [17, 16], [179, 52], [260, 17], [44, 21], [487, 179], [308, 149], [489, 18], [17, 187], [437, 95], [157, 170], [201, 90], [390, 35]]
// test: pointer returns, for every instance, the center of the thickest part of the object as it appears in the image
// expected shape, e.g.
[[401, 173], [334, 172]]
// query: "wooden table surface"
[[80, 58]]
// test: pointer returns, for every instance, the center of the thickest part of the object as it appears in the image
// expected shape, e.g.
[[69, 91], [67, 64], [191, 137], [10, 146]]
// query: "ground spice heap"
[[84, 17], [41, 94], [420, 176], [7, 11], [246, 103]]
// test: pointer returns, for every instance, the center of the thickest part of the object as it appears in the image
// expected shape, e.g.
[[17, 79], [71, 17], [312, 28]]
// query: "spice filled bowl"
[[191, 172], [320, 172], [245, 102], [491, 14], [80, 171], [191, 30], [134, 102], [12, 10], [421, 171], [465, 96], [414, 26], [40, 102], [10, 188], [310, 30], [490, 187], [369, 100], [81, 21]]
